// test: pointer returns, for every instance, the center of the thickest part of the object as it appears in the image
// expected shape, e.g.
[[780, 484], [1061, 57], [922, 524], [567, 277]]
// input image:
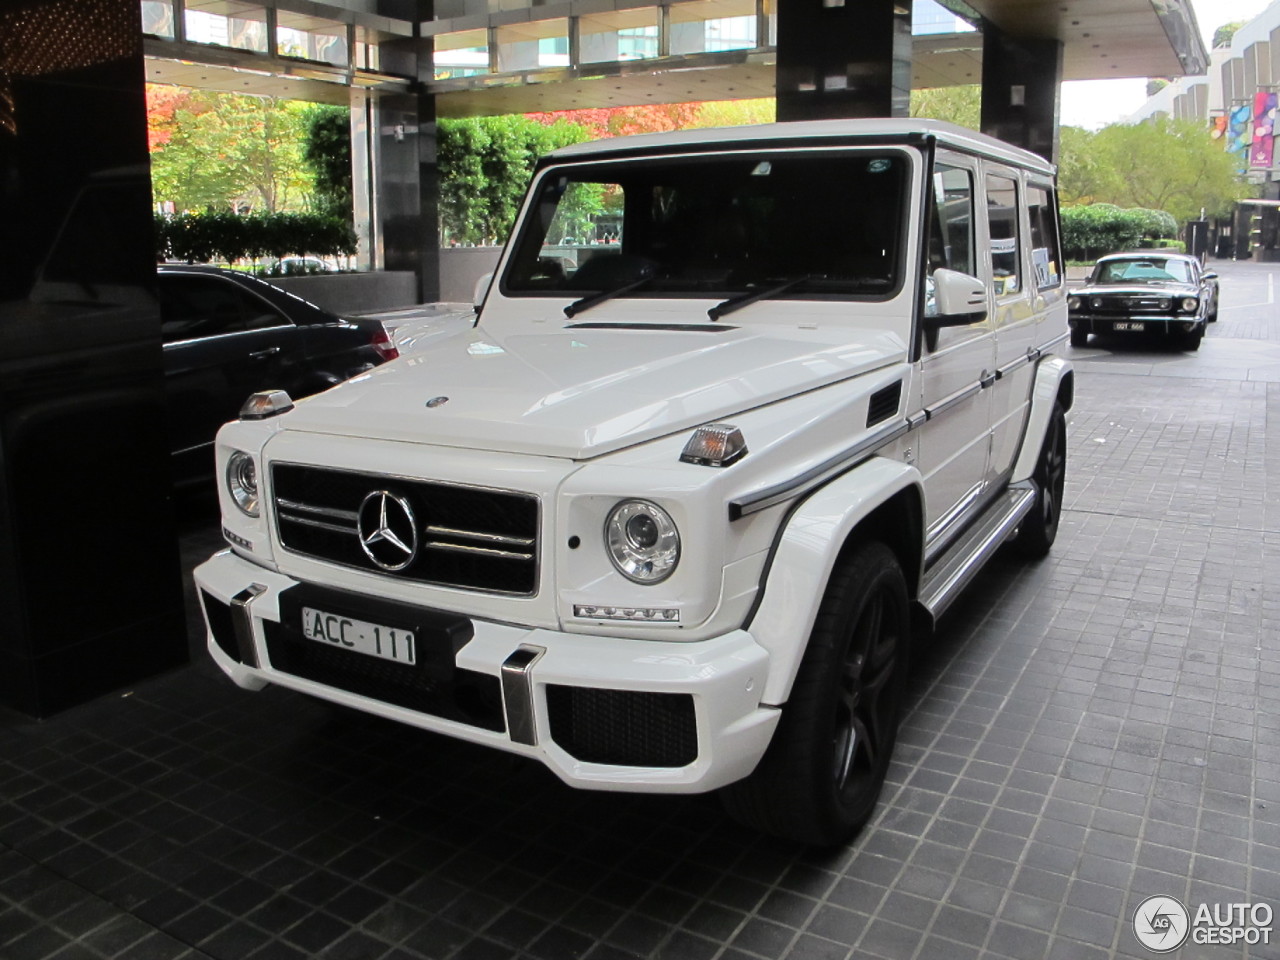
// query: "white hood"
[[579, 392]]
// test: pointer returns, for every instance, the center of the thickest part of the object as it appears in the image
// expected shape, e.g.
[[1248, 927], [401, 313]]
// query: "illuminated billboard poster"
[[1264, 118], [1238, 132]]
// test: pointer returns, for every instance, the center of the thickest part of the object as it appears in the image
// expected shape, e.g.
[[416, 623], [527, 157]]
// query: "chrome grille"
[[1133, 303], [475, 538]]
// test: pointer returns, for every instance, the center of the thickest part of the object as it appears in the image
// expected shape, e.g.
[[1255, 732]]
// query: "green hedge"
[[1091, 231], [206, 237]]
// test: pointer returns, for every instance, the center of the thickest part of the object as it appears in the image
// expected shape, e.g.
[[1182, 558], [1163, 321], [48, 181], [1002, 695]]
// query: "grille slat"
[[468, 526]]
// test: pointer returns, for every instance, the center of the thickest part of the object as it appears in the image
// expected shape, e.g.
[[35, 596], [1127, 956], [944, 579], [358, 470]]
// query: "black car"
[[1153, 293], [228, 334]]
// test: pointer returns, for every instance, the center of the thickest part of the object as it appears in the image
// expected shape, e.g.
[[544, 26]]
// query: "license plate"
[[1129, 325], [360, 636]]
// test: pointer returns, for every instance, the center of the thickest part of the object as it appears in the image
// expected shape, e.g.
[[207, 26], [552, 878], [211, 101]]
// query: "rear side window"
[[1046, 252], [1002, 216], [195, 307]]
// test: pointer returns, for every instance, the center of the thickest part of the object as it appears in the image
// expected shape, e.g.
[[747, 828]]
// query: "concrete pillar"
[[90, 586], [1021, 84], [407, 195], [843, 58]]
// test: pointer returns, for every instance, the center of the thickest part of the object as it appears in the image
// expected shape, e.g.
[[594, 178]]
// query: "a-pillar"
[[843, 58], [1021, 86]]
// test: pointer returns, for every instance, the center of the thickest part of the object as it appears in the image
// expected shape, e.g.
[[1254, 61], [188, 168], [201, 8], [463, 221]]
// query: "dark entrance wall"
[[90, 597]]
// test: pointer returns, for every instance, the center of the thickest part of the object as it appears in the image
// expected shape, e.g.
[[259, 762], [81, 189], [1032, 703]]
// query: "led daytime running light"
[[588, 611]]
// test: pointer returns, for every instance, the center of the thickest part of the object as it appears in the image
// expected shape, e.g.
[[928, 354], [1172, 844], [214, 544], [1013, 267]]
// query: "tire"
[[1079, 338], [1039, 528], [1191, 341], [823, 771]]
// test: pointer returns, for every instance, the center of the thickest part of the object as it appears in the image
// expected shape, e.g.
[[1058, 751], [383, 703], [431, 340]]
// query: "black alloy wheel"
[[825, 767], [1039, 528]]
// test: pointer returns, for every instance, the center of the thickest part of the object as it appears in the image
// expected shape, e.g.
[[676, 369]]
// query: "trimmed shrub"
[[1089, 232], [206, 237]]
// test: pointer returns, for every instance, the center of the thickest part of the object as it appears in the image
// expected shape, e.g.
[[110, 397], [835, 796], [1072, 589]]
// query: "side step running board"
[[964, 558]]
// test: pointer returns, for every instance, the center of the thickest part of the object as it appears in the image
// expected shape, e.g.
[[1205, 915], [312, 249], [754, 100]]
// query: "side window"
[[1002, 216], [195, 307], [1046, 254], [951, 226]]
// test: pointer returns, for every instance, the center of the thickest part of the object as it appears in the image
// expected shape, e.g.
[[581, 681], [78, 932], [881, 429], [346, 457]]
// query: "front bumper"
[[1159, 324], [602, 712]]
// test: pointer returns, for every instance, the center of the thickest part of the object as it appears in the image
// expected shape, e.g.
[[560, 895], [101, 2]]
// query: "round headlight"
[[242, 482], [1073, 303], [1189, 304], [643, 541]]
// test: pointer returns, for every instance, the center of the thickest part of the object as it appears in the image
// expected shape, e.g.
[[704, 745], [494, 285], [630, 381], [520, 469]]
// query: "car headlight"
[[1189, 304], [1073, 303], [242, 482], [643, 541]]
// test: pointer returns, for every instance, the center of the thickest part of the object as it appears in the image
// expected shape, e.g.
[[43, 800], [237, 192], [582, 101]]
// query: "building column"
[[407, 192], [1021, 86], [90, 582], [843, 58]]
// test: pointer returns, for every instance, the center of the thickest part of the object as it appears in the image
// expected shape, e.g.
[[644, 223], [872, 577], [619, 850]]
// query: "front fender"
[[1050, 376], [804, 556]]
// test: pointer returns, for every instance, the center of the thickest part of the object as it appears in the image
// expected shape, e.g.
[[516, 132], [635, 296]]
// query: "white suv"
[[741, 414]]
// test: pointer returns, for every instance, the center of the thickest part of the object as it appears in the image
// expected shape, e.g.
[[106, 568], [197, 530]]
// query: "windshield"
[[1146, 270], [717, 226]]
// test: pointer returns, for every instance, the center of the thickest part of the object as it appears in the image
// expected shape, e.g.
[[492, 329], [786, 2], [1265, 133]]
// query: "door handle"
[[263, 354]]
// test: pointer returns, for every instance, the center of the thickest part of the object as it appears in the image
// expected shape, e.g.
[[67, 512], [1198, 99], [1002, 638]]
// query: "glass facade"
[[227, 23], [461, 54], [311, 38], [157, 18], [530, 46], [711, 26], [619, 35]]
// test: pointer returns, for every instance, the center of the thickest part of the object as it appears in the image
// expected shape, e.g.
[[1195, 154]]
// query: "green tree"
[[736, 113], [327, 154], [1167, 165], [485, 166], [229, 151], [1222, 36], [961, 105]]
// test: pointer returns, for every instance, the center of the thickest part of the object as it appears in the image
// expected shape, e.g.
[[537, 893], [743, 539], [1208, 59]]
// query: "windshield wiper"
[[595, 299], [746, 299]]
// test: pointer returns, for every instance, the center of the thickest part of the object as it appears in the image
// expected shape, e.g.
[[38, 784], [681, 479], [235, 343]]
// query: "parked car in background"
[[1157, 293], [228, 334], [298, 266]]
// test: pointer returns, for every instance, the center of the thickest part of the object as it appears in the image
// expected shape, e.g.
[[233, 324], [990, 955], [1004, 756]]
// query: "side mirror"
[[1210, 275], [957, 299], [481, 291]]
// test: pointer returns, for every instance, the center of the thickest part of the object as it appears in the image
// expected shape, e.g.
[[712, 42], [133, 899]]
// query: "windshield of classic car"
[[716, 226], [1146, 270]]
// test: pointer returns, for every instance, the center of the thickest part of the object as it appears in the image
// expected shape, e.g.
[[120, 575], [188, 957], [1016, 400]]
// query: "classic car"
[[1169, 295]]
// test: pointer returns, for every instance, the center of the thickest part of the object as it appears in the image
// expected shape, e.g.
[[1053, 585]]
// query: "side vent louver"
[[884, 403]]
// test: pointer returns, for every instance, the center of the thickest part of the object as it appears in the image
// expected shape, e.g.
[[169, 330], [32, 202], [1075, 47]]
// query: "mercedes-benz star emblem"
[[387, 529]]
